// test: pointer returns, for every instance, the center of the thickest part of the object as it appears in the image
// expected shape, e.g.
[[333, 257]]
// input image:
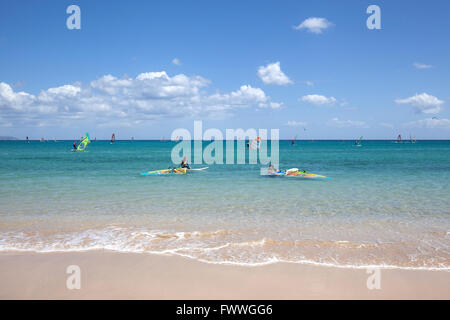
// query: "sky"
[[145, 68]]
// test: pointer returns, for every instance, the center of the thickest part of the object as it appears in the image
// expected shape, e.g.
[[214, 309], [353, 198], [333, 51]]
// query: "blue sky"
[[240, 64]]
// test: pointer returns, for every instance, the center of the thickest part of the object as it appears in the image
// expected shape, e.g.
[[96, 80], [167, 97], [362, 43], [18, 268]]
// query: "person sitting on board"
[[184, 163], [271, 169]]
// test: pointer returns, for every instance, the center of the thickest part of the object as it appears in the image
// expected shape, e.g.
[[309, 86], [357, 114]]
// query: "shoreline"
[[14, 252], [116, 275]]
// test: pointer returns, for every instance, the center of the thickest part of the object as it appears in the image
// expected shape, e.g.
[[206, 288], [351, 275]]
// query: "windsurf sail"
[[84, 142], [295, 172], [358, 142], [295, 139], [165, 172], [113, 138], [256, 143]]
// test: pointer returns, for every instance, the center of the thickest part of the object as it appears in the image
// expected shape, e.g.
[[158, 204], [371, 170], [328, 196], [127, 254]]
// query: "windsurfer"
[[271, 169], [184, 163]]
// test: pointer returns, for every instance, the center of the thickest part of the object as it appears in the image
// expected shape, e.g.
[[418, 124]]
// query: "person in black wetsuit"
[[184, 163], [75, 145]]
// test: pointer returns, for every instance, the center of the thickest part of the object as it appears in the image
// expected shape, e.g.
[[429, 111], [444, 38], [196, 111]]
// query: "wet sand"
[[112, 275]]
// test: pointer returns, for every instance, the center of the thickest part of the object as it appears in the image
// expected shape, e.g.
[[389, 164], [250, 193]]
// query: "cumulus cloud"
[[423, 103], [430, 123], [318, 100], [296, 124], [419, 65], [128, 101], [336, 122], [272, 74], [176, 61], [314, 25]]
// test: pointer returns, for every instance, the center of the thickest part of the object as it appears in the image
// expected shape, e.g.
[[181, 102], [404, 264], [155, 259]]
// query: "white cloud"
[[317, 99], [336, 122], [309, 83], [272, 74], [423, 103], [296, 124], [314, 25], [276, 105], [149, 96], [271, 105], [386, 125], [176, 61], [430, 123], [418, 65]]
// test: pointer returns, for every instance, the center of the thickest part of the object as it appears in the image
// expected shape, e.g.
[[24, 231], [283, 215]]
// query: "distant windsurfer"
[[184, 163]]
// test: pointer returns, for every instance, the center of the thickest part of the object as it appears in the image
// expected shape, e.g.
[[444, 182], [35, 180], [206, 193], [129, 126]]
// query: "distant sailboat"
[[399, 139], [113, 138]]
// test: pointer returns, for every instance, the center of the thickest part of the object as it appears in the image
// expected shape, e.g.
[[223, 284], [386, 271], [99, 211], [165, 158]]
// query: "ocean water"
[[387, 204]]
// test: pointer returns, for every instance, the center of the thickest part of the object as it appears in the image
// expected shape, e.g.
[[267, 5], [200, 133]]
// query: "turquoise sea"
[[387, 204]]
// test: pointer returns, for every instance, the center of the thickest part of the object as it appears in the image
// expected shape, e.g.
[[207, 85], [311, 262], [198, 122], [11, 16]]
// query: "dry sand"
[[111, 275]]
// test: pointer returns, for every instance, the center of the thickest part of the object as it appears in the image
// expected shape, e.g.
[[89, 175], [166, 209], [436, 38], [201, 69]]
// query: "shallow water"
[[387, 204]]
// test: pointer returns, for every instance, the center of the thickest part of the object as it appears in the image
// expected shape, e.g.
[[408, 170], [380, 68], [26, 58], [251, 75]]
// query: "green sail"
[[83, 144]]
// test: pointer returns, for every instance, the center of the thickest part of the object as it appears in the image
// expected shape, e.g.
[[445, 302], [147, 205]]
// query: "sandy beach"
[[111, 275]]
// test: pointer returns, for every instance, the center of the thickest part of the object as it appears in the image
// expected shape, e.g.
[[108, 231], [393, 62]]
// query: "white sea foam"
[[215, 247]]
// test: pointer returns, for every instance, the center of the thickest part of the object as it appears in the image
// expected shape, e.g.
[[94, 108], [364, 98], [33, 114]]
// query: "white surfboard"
[[198, 169]]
